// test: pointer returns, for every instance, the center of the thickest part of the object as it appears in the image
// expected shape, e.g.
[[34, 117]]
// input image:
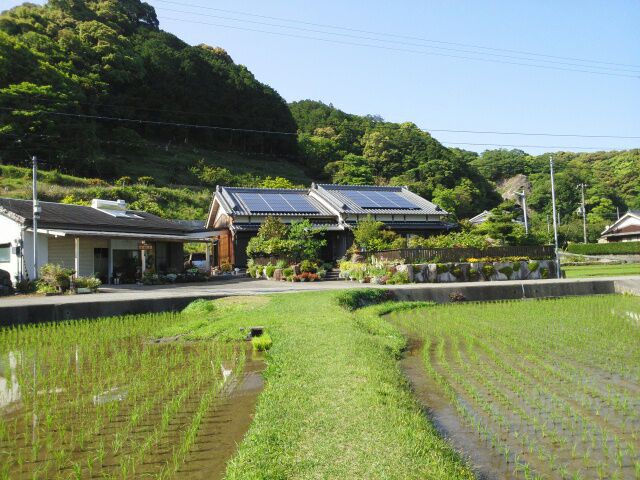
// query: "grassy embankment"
[[604, 270], [176, 192], [336, 404]]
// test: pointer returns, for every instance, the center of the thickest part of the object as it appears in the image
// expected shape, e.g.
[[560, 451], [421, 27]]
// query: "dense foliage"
[[619, 248], [351, 149], [295, 242], [110, 59], [612, 179]]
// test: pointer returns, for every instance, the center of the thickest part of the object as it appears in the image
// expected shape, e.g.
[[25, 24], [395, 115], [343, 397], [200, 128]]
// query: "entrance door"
[[101, 264]]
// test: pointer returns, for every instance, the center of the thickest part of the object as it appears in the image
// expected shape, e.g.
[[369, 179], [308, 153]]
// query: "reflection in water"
[[9, 388]]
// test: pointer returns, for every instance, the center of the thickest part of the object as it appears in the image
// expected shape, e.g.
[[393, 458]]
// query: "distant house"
[[237, 213], [480, 218], [625, 229], [106, 239]]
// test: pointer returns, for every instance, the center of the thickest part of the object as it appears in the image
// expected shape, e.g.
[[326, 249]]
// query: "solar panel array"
[[277, 203], [381, 200]]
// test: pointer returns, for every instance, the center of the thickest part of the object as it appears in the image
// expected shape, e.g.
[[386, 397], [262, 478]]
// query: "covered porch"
[[120, 258]]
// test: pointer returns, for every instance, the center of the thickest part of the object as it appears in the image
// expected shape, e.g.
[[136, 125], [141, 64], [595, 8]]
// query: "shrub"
[[508, 271], [287, 272], [457, 272], [398, 278], [26, 286], [281, 264], [442, 268], [269, 270], [91, 283], [262, 343], [358, 298], [533, 266], [226, 267], [619, 248], [54, 278], [488, 270], [308, 266], [544, 272], [474, 274]]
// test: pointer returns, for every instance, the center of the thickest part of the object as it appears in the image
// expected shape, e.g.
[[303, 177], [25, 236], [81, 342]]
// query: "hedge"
[[618, 248]]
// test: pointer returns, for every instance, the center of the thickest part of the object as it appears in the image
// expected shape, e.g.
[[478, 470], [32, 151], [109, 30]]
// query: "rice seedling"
[[557, 382], [97, 398]]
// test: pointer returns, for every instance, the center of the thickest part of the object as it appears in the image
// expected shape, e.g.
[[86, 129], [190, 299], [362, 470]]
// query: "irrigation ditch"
[[486, 463]]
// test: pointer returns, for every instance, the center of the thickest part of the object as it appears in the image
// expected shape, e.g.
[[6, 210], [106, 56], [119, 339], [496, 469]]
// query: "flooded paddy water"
[[545, 389], [98, 400]]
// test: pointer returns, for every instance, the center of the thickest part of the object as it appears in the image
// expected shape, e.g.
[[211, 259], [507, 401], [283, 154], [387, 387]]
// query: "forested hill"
[[365, 149], [105, 58], [72, 71]]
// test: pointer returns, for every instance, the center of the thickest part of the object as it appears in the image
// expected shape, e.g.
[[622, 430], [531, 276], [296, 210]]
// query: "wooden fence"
[[422, 255]]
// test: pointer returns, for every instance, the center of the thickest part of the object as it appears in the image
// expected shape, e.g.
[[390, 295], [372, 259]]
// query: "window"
[[5, 252]]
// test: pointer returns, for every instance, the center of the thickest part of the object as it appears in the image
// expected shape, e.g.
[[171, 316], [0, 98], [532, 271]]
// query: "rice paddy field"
[[534, 389], [107, 399]]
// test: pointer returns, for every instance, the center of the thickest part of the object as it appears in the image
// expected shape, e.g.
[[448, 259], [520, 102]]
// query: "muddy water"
[[486, 462], [221, 433]]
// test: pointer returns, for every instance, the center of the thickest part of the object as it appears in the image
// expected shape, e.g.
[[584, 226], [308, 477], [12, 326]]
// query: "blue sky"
[[439, 92]]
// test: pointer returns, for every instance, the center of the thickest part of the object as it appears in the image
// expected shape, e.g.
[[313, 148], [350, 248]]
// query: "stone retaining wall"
[[478, 271]]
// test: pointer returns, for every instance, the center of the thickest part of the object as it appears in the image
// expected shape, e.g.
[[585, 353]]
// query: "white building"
[[106, 240], [625, 229]]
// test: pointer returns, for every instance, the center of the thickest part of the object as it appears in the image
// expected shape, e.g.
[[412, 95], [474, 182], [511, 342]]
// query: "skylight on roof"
[[119, 213], [379, 200]]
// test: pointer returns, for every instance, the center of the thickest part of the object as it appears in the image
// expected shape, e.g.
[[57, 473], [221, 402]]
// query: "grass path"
[[336, 404]]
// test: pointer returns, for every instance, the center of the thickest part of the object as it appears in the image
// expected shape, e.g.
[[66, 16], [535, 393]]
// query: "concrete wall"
[[94, 306]]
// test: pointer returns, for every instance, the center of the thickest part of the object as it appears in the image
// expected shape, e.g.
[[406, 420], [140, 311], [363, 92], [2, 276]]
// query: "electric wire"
[[395, 35]]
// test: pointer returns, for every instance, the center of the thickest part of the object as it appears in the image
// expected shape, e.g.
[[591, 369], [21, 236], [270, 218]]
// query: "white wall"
[[43, 252], [62, 251], [9, 233]]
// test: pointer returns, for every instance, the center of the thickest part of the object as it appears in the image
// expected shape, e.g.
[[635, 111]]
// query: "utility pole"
[[524, 211], [618, 212], [584, 213], [555, 223], [36, 215]]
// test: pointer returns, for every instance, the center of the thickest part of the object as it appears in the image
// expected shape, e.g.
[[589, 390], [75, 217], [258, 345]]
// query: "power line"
[[502, 55], [132, 107], [397, 49], [422, 39], [152, 122], [386, 124], [537, 134], [442, 142], [522, 146]]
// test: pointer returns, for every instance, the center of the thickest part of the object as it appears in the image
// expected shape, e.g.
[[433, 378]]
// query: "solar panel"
[[399, 200], [277, 203], [301, 203], [360, 199], [254, 202], [381, 200]]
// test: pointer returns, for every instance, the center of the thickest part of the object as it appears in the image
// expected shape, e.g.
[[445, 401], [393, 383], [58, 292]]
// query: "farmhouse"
[[237, 213], [625, 229], [106, 239]]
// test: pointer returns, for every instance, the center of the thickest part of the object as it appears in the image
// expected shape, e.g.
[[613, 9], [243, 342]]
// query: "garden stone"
[[432, 273], [277, 274]]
